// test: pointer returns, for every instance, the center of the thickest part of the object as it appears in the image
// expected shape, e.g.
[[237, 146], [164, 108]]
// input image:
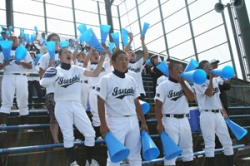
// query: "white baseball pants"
[[212, 123], [126, 130], [69, 113], [179, 131], [12, 84], [94, 108]]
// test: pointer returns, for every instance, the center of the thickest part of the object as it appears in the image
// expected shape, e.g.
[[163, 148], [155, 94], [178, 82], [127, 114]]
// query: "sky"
[[210, 43]]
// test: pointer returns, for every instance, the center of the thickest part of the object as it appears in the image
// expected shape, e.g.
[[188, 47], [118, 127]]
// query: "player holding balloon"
[[212, 115], [14, 81], [171, 107]]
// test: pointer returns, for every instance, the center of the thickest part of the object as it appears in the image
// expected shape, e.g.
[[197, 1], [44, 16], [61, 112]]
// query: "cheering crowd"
[[110, 82]]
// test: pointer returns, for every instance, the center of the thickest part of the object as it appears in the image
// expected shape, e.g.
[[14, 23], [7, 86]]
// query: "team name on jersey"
[[215, 90], [12, 57], [136, 70], [67, 82], [121, 93], [92, 69], [175, 95]]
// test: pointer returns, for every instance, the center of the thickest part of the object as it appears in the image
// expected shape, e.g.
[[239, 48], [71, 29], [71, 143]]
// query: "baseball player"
[[137, 67], [68, 109], [171, 107], [15, 81], [212, 115], [44, 63], [118, 98], [93, 81]]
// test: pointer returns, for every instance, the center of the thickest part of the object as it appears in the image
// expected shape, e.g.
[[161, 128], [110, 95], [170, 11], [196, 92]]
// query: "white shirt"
[[33, 71], [205, 102], [67, 83], [44, 64], [137, 68], [93, 81], [161, 79], [13, 67], [118, 94], [42, 42], [173, 98]]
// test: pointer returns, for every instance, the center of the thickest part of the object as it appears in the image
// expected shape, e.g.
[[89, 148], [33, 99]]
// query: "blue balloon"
[[91, 39], [144, 29], [51, 46], [104, 32], [6, 49], [115, 37], [124, 37], [35, 28], [64, 44], [20, 53], [82, 28]]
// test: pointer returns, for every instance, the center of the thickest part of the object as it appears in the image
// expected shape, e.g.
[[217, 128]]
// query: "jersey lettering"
[[136, 70], [67, 82], [175, 95], [121, 93], [92, 69], [215, 90]]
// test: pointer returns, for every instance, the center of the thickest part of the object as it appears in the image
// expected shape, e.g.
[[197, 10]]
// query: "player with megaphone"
[[171, 108], [212, 114]]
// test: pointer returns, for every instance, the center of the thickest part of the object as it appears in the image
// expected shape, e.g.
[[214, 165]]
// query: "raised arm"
[[145, 49], [87, 57], [75, 52], [98, 69], [131, 38]]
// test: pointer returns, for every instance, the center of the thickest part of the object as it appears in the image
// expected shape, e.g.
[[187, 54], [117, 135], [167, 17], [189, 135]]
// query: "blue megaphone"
[[144, 106], [117, 151], [149, 149], [20, 53], [163, 67], [225, 72], [82, 28], [21, 31], [193, 64], [6, 49], [115, 37], [144, 29], [35, 28], [197, 76], [38, 56], [64, 43], [91, 39], [104, 32], [1, 38], [33, 38], [51, 46], [148, 61], [111, 46], [27, 37], [238, 131], [124, 37], [7, 33], [10, 28], [171, 150]]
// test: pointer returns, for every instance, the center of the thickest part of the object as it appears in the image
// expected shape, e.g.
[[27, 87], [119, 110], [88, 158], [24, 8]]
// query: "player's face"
[[65, 56], [176, 71], [94, 58], [207, 67], [15, 41], [121, 62], [82, 56], [214, 65], [132, 56]]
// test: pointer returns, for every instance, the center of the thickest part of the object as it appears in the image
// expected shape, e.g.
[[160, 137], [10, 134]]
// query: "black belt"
[[178, 116], [16, 74], [214, 111], [93, 87]]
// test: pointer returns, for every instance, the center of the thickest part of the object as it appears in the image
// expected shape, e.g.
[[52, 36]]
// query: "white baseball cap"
[[214, 61]]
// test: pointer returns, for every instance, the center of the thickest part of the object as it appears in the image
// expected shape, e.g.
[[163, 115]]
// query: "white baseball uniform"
[[137, 68], [211, 122], [119, 94], [93, 82], [68, 109], [15, 81], [174, 102]]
